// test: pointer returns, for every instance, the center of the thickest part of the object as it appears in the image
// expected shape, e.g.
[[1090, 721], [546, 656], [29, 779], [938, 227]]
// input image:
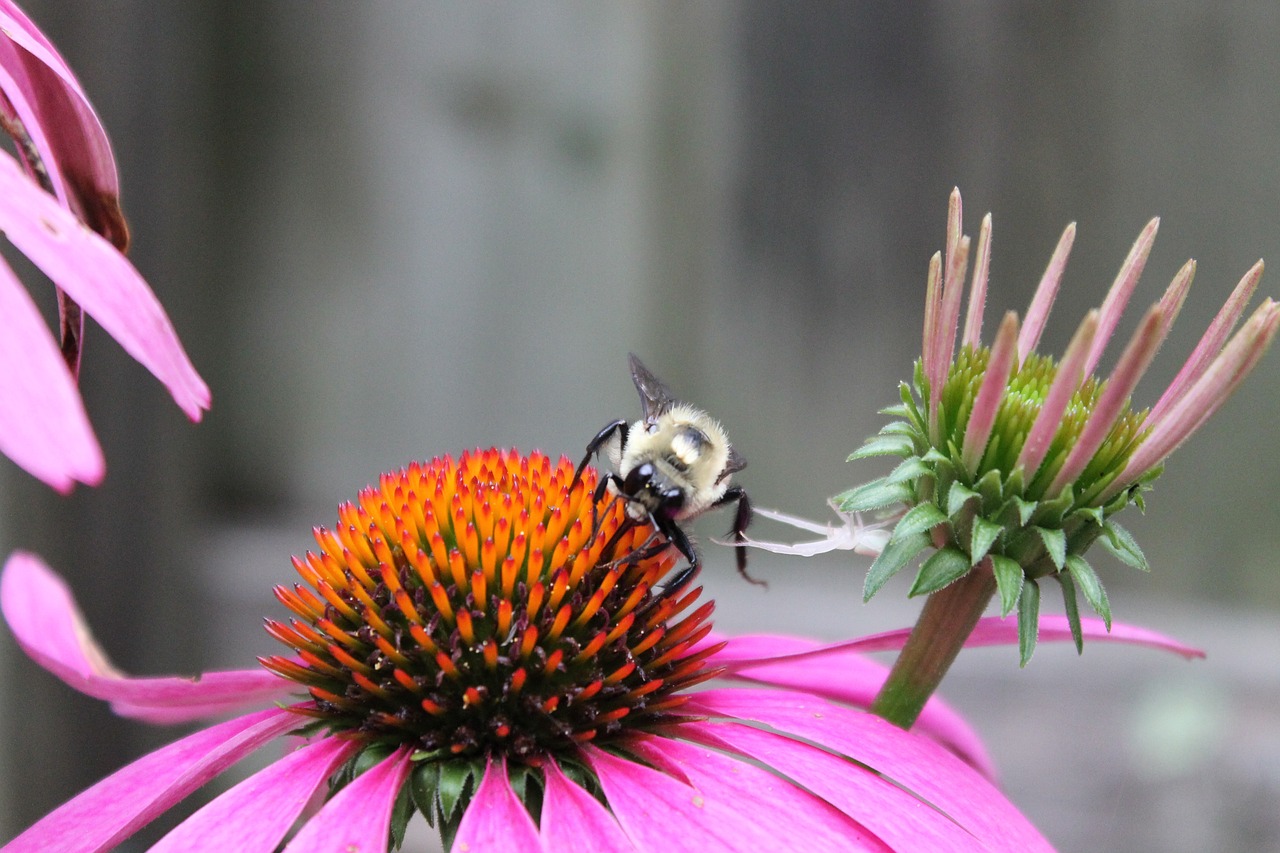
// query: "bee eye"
[[637, 478]]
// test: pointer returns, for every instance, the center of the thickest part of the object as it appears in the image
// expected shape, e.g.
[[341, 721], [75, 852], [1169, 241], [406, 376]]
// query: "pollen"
[[489, 605]]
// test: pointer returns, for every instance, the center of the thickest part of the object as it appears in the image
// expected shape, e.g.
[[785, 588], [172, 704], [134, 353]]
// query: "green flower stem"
[[948, 617]]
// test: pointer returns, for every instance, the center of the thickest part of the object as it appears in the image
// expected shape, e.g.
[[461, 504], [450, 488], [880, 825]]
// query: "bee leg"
[[677, 537], [593, 446], [741, 521]]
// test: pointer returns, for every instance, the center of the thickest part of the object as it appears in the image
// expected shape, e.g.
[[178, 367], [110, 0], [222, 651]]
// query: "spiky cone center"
[[489, 606]]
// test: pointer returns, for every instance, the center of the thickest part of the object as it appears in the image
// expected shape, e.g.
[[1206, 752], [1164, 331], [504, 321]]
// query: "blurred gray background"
[[388, 231]]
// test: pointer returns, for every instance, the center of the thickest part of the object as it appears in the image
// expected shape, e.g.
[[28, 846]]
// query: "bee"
[[670, 466]]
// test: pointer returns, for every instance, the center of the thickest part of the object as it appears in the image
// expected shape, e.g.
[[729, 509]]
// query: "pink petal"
[[101, 279], [953, 274], [917, 764], [130, 798], [731, 805], [990, 631], [1115, 395], [1211, 342], [900, 819], [1070, 375], [849, 678], [256, 814], [61, 123], [934, 371], [573, 821], [1046, 292], [978, 289], [43, 426], [1121, 290], [986, 404], [358, 818], [49, 627], [495, 818]]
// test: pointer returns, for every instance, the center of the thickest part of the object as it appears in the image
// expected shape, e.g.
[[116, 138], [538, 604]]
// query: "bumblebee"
[[670, 466]]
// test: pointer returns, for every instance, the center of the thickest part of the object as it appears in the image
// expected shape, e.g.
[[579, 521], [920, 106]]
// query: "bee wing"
[[655, 397], [736, 463]]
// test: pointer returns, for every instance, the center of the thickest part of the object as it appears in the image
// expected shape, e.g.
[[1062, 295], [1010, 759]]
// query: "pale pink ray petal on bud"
[[101, 279], [932, 308], [1070, 375], [496, 819], [357, 818], [43, 425], [994, 380], [1121, 289], [1211, 342], [953, 275], [972, 336], [1046, 292], [56, 114], [1176, 294], [1177, 423], [1114, 397]]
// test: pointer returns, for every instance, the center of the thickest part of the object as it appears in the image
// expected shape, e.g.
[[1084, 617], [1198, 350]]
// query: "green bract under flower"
[[1015, 463]]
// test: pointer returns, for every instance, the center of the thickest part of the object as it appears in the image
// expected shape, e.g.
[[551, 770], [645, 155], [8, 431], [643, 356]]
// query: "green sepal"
[[934, 456], [1026, 509], [1053, 511], [1009, 580], [1121, 543], [908, 470], [984, 535], [895, 555], [1093, 514], [919, 519], [902, 428], [1028, 620], [401, 812], [1072, 609], [883, 446], [458, 781], [944, 567], [1015, 484], [424, 781], [990, 488], [1091, 586], [959, 495], [1055, 543], [877, 494], [897, 410]]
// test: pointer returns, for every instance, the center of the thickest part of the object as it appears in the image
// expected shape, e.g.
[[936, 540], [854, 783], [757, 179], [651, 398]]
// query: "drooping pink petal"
[[987, 402], [1121, 289], [917, 764], [1114, 398], [65, 130], [358, 818], [850, 678], [495, 818], [1046, 292], [573, 821], [898, 817], [101, 279], [972, 336], [49, 627], [730, 805], [1211, 342], [43, 426], [127, 800], [256, 814], [990, 631], [1068, 378]]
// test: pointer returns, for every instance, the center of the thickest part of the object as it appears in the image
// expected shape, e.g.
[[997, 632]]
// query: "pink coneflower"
[[480, 642], [59, 206]]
